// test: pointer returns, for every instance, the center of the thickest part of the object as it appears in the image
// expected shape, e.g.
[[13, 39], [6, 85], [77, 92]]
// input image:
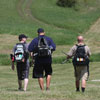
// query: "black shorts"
[[39, 69], [23, 70]]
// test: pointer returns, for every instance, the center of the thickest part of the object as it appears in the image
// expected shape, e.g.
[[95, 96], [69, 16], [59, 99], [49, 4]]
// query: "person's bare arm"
[[71, 52]]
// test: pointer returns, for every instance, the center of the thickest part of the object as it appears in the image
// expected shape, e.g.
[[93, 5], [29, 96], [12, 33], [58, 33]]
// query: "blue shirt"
[[34, 44]]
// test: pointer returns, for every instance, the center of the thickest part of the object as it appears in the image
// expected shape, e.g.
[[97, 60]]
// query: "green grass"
[[5, 59], [67, 18], [62, 85], [62, 24], [13, 23]]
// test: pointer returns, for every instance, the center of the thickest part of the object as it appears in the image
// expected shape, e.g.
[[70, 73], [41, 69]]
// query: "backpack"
[[80, 58], [43, 48], [20, 52]]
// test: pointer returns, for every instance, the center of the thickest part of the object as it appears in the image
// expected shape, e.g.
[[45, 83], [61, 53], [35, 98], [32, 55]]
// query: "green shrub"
[[93, 58], [5, 59], [66, 3]]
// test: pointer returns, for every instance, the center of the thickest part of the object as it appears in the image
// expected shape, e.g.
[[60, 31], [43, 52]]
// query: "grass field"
[[62, 85], [25, 16], [67, 18], [63, 25]]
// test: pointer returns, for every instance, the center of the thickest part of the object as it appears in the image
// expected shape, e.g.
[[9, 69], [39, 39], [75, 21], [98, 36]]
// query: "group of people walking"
[[41, 49]]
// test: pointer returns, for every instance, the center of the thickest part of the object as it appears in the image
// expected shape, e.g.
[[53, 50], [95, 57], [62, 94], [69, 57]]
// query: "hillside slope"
[[62, 24], [25, 16], [92, 37]]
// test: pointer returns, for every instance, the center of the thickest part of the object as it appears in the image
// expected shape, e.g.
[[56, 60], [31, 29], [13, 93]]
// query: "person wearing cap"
[[22, 67], [81, 71], [42, 64]]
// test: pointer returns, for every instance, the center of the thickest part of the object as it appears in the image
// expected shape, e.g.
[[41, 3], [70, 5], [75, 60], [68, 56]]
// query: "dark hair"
[[40, 30], [22, 36]]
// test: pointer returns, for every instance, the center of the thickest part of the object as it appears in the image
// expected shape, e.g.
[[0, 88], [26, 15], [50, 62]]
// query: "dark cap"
[[40, 30], [22, 36]]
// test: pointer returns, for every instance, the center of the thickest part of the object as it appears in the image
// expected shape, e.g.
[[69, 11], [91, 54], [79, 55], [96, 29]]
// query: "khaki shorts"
[[81, 73]]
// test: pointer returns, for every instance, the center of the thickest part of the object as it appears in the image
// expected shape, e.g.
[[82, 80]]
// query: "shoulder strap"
[[78, 46], [23, 44], [45, 41], [39, 39]]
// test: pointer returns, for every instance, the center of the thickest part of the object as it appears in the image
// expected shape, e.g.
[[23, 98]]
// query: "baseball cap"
[[22, 36], [40, 30]]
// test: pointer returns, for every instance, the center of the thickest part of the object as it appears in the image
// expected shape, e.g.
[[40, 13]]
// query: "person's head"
[[80, 39], [40, 31], [22, 38]]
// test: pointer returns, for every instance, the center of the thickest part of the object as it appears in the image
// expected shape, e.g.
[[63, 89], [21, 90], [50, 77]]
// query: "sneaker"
[[20, 89], [77, 90], [47, 89], [24, 90]]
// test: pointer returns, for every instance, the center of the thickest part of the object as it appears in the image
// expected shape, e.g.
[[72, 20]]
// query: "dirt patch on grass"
[[7, 43], [92, 37]]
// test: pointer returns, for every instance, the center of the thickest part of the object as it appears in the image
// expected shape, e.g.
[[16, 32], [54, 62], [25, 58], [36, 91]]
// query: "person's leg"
[[19, 74], [25, 83], [78, 77], [48, 79], [26, 74], [20, 84], [83, 86], [77, 85], [19, 79], [41, 83], [77, 82], [48, 73], [84, 78]]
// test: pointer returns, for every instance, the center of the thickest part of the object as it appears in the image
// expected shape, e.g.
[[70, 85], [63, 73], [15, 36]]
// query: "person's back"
[[81, 56], [43, 57], [33, 47], [43, 48], [21, 56], [21, 52]]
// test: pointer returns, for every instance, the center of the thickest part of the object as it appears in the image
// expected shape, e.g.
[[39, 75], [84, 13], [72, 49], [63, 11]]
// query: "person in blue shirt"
[[42, 64]]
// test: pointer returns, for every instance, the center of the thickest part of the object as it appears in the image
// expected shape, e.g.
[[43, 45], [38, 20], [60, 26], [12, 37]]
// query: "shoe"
[[77, 90], [20, 89], [24, 90], [47, 89]]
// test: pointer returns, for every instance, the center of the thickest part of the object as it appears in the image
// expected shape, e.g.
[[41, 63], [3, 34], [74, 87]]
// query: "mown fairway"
[[62, 85]]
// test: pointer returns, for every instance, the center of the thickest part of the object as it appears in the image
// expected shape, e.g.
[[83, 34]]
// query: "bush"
[[66, 3]]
